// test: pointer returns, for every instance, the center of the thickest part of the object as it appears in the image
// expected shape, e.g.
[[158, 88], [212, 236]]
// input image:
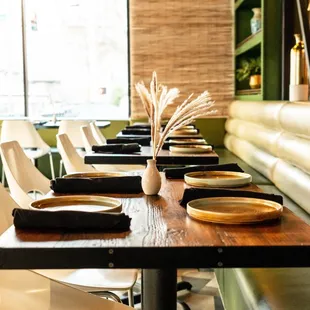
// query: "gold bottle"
[[299, 74]]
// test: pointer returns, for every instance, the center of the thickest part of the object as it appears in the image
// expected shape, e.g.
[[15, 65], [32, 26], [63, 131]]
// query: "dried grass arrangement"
[[158, 98]]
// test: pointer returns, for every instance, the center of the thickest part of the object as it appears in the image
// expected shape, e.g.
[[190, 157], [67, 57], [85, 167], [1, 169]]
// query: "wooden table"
[[197, 136], [164, 158], [162, 238]]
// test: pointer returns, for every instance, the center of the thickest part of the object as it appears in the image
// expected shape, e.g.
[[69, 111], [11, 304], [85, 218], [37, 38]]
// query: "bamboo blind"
[[188, 43]]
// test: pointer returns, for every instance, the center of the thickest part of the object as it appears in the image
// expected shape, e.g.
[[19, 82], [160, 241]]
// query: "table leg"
[[159, 289]]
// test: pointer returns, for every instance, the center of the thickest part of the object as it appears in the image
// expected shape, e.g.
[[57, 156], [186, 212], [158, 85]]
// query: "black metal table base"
[[159, 289]]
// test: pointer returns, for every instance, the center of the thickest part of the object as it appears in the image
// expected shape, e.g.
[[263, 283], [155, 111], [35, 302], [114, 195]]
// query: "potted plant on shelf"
[[250, 68]]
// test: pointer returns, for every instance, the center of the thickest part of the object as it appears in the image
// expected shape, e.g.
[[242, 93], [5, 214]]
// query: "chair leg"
[[130, 298], [3, 177], [60, 168], [107, 294], [52, 165]]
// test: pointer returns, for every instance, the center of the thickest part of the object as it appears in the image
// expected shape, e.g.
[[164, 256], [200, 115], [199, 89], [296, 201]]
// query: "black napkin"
[[178, 173], [196, 193], [137, 131], [126, 184], [167, 144], [141, 141], [117, 148], [70, 220]]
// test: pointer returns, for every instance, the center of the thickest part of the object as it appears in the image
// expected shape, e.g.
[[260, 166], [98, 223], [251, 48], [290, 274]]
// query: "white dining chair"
[[99, 137], [26, 290], [22, 176], [72, 161], [97, 281], [24, 132], [89, 140], [72, 129]]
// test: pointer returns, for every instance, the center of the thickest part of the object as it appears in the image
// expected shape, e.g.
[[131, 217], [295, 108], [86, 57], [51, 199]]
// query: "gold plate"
[[187, 127], [94, 175], [190, 149], [217, 178], [86, 203], [188, 141], [233, 210], [184, 132]]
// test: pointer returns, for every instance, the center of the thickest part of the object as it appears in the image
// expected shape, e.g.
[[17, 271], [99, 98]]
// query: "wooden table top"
[[197, 136], [163, 236], [164, 158]]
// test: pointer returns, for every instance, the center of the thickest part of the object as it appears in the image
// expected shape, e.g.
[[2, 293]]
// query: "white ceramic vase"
[[151, 180]]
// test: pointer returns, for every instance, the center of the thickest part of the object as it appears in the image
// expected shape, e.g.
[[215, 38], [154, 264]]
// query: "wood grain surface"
[[165, 157], [163, 236]]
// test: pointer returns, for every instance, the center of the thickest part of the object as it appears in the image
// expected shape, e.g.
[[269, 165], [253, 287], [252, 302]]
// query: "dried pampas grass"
[[158, 98]]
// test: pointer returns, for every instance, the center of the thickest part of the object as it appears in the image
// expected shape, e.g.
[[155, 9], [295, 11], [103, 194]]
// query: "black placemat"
[[178, 173], [117, 148], [125, 184], [197, 193], [70, 220], [136, 131], [141, 141]]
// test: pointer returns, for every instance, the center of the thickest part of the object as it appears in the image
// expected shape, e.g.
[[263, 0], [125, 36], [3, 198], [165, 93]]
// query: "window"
[[11, 59], [77, 58]]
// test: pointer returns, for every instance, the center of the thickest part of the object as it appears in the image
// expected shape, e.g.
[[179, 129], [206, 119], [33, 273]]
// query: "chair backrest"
[[71, 159], [99, 137], [72, 129], [88, 138], [6, 208], [22, 176], [24, 132]]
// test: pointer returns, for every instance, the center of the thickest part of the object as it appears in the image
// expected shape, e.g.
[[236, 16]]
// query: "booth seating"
[[271, 141]]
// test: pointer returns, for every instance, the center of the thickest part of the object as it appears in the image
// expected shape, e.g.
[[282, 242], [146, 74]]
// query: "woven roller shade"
[[189, 43]]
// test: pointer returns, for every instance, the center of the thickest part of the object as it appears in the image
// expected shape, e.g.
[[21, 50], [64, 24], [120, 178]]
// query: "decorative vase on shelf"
[[151, 180], [298, 72], [256, 20], [255, 81]]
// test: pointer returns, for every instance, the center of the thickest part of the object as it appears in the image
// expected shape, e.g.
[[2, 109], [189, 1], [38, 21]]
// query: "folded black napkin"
[[167, 144], [117, 148], [137, 131], [70, 220], [124, 184], [141, 141], [196, 193], [178, 173]]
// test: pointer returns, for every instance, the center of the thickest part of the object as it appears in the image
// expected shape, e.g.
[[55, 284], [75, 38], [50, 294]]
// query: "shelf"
[[256, 97], [251, 91], [249, 43], [247, 4]]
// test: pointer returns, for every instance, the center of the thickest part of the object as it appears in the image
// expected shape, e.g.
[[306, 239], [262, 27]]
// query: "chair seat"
[[94, 279], [23, 289], [35, 153]]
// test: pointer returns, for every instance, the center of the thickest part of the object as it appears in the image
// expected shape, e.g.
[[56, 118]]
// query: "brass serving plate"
[[179, 132], [190, 149], [188, 141], [233, 210], [217, 178], [94, 175], [188, 127], [86, 203]]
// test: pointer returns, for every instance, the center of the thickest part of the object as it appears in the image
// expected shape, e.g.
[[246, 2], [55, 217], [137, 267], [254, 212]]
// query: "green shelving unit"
[[266, 43]]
